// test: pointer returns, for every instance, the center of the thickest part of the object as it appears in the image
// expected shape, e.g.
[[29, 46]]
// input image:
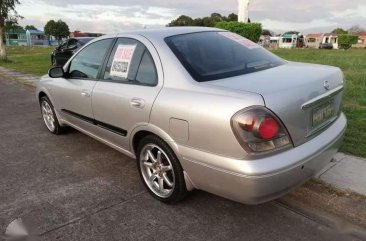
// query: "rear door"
[[123, 97]]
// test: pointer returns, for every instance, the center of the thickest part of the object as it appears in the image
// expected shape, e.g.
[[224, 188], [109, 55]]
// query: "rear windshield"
[[217, 55]]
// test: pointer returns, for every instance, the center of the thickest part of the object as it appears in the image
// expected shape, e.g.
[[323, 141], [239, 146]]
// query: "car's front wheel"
[[160, 170], [49, 116]]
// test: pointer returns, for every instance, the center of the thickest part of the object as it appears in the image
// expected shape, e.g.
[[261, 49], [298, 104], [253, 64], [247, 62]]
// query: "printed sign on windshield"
[[122, 60]]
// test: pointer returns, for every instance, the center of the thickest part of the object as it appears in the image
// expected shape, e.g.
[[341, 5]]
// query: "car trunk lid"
[[306, 97]]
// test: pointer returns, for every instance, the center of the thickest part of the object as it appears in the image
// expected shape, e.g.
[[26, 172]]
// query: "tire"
[[162, 176], [49, 116]]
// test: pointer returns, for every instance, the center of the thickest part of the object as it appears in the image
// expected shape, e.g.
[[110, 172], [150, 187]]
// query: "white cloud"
[[116, 15]]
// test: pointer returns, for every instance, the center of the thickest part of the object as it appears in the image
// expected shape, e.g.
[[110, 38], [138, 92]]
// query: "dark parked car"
[[64, 51], [325, 46]]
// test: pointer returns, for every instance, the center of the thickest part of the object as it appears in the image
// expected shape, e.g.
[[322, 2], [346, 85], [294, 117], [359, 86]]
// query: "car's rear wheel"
[[49, 116], [160, 170]]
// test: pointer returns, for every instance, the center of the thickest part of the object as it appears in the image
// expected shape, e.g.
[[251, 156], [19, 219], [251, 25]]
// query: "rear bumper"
[[258, 181]]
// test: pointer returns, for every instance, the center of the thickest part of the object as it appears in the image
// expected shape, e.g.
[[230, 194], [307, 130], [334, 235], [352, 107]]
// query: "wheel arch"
[[140, 132], [41, 94], [41, 91]]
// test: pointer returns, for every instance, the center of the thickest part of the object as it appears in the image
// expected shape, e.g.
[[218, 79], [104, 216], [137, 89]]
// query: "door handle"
[[85, 93], [138, 103]]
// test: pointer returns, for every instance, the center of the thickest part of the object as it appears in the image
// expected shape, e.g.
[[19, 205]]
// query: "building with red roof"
[[361, 41], [313, 40]]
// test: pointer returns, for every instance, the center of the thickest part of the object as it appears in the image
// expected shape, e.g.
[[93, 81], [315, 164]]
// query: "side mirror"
[[56, 72]]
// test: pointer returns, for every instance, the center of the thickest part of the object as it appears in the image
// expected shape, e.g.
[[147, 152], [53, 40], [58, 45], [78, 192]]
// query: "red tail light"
[[268, 128], [258, 130]]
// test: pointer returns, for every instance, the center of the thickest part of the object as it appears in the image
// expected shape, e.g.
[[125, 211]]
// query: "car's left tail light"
[[259, 131]]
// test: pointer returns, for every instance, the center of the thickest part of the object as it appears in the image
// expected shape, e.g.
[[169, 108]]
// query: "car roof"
[[165, 32]]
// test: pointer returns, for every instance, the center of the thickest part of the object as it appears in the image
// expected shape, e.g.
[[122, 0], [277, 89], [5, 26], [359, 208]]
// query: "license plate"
[[323, 113]]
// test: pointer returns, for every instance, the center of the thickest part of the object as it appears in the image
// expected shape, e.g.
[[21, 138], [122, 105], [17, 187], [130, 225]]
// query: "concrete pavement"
[[346, 172]]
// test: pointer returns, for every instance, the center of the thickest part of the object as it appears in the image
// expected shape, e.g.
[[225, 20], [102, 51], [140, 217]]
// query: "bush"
[[345, 41], [250, 31]]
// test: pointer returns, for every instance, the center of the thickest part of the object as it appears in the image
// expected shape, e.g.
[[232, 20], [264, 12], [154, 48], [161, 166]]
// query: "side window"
[[87, 63], [130, 62], [147, 71]]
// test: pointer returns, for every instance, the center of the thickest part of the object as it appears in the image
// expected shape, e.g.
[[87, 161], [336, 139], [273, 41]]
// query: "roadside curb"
[[344, 172]]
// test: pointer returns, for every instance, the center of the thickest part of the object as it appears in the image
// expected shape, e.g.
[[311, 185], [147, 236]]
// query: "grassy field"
[[353, 64], [36, 60]]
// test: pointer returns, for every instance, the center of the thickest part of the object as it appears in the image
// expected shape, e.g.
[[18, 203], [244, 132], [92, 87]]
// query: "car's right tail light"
[[258, 130]]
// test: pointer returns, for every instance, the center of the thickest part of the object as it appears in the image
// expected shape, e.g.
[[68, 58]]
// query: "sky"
[[107, 16]]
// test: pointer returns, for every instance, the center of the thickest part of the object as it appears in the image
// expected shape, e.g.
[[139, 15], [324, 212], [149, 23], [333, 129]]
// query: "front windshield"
[[217, 55]]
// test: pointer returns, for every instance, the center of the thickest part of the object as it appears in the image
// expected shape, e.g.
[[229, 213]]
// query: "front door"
[[123, 98], [73, 93]]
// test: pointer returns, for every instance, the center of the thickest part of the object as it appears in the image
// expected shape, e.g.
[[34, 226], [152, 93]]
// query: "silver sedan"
[[200, 108]]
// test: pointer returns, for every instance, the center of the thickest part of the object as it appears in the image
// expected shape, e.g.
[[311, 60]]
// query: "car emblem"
[[326, 85]]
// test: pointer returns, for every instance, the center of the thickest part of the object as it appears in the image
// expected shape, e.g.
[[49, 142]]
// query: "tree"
[[62, 30], [57, 29], [12, 25], [355, 29], [345, 41], [49, 28], [30, 27], [182, 20], [216, 17], [251, 31], [209, 21], [197, 22], [7, 12], [232, 17], [293, 32], [267, 32], [339, 31]]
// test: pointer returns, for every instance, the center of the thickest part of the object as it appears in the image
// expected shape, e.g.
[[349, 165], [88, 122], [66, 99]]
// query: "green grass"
[[36, 60]]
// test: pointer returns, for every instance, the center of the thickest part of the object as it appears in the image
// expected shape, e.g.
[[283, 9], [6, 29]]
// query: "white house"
[[274, 42], [291, 40], [331, 38]]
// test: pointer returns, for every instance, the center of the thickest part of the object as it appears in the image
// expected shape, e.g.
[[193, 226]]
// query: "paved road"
[[72, 187]]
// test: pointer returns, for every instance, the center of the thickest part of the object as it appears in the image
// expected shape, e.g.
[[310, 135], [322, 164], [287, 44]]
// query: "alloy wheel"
[[48, 116], [157, 170]]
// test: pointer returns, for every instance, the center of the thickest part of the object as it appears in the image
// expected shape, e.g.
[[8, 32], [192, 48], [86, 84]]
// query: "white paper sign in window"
[[241, 40], [122, 60]]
